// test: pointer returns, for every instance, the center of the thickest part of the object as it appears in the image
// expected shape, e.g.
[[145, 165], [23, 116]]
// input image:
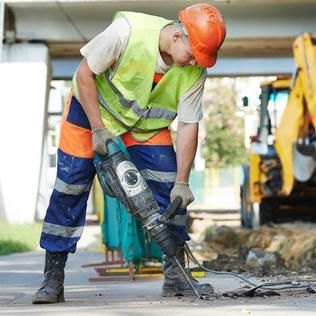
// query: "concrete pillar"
[[24, 79]]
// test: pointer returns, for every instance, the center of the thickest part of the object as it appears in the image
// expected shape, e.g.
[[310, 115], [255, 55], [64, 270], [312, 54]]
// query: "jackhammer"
[[120, 178]]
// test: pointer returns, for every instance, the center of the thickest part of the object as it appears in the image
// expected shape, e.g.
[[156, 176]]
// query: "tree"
[[223, 145]]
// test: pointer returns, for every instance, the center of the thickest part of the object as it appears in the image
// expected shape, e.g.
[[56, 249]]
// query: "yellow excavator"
[[280, 180]]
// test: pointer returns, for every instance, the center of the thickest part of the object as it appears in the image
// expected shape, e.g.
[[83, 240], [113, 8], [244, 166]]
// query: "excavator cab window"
[[276, 105], [273, 103]]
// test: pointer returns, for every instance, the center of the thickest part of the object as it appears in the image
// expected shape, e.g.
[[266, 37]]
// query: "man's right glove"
[[99, 137], [182, 189]]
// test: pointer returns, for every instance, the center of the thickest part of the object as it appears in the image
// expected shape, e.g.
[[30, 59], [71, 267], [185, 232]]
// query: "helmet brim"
[[205, 60]]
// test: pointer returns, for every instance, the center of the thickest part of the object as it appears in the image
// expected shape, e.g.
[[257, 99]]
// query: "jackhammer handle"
[[171, 209]]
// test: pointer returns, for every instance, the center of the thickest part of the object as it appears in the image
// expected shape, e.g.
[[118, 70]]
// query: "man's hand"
[[182, 189], [99, 137]]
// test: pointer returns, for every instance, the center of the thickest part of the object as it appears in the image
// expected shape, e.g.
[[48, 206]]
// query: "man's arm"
[[89, 101], [186, 148], [186, 144], [101, 52], [88, 94]]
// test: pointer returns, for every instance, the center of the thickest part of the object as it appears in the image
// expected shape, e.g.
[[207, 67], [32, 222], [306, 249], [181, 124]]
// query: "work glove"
[[99, 138], [182, 189]]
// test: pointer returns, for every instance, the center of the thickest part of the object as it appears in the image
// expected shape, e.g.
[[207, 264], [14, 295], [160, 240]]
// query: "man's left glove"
[[182, 189], [99, 137]]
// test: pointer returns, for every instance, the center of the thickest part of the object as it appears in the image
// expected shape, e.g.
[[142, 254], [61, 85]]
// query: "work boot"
[[52, 289], [175, 284]]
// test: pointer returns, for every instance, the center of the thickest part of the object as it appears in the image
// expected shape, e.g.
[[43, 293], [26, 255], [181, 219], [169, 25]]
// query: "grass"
[[19, 237]]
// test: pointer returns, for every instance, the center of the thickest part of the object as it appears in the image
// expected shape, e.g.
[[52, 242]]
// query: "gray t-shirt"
[[105, 50]]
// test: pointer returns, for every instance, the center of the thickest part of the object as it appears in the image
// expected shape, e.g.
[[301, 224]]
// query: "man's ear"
[[177, 35]]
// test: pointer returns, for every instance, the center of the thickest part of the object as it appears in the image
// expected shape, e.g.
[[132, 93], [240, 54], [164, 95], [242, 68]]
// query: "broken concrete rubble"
[[266, 250], [258, 258]]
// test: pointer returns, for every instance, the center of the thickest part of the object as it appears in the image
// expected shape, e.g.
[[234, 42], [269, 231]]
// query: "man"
[[134, 79]]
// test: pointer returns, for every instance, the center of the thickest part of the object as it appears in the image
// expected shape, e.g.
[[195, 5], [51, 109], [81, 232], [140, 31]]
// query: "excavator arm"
[[293, 139]]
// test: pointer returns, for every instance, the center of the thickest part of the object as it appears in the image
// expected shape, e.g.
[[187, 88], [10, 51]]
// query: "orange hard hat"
[[206, 31]]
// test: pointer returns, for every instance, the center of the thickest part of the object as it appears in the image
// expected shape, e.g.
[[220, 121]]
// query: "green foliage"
[[224, 142], [18, 237]]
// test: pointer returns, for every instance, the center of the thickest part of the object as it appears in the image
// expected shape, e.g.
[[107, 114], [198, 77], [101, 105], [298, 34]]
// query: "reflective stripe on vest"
[[133, 105]]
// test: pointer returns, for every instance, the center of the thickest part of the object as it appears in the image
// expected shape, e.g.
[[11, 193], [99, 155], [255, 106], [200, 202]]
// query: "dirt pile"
[[266, 250]]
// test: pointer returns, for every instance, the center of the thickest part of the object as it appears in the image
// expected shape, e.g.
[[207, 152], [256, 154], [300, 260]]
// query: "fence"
[[216, 188]]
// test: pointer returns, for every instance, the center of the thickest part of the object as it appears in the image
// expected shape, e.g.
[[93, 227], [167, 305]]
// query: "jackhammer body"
[[120, 178]]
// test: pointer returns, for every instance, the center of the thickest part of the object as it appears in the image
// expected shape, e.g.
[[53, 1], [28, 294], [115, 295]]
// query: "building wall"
[[24, 78]]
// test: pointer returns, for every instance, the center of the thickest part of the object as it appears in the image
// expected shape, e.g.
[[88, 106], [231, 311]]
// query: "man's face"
[[181, 51]]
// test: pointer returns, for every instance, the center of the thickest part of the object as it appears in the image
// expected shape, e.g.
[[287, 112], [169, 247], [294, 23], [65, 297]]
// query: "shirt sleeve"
[[106, 48], [190, 103]]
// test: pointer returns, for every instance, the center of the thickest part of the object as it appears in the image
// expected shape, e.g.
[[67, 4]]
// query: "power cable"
[[289, 284]]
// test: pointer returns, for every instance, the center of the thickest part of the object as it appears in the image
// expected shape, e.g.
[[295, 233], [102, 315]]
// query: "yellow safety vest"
[[126, 99]]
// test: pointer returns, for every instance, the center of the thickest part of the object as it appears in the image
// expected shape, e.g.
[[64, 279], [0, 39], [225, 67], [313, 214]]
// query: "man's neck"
[[165, 39]]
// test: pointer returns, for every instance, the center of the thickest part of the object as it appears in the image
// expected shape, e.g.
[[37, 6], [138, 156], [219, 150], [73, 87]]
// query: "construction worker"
[[134, 79]]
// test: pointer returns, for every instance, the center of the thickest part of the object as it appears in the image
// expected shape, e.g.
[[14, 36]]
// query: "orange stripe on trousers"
[[74, 140], [162, 138]]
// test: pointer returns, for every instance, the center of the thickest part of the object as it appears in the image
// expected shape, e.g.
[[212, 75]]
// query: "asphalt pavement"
[[21, 275]]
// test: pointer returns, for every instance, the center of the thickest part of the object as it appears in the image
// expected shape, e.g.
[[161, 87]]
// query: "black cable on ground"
[[291, 284]]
